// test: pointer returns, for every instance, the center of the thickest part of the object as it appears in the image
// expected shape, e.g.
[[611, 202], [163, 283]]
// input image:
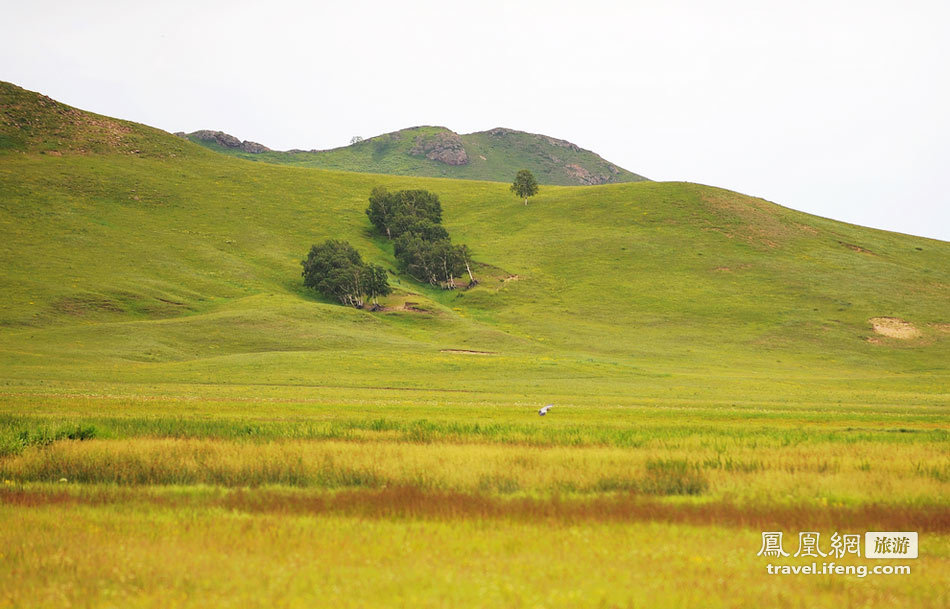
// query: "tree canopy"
[[423, 248], [336, 270], [525, 185], [395, 213]]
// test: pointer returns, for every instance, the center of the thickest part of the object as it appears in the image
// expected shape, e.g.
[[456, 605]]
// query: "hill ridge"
[[437, 151]]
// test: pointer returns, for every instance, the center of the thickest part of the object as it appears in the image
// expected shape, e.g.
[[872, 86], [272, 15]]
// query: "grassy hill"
[[130, 253], [493, 155]]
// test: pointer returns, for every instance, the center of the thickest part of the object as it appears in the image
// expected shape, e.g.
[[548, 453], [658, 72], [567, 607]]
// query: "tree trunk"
[[526, 200], [448, 276]]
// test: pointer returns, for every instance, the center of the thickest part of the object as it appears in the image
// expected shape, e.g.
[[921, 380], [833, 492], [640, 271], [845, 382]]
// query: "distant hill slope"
[[33, 123], [493, 155], [175, 264]]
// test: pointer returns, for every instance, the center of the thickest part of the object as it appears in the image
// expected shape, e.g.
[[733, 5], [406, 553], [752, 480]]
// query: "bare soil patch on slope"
[[894, 327]]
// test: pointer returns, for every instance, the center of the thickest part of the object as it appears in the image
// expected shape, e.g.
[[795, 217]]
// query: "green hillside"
[[493, 155], [132, 255]]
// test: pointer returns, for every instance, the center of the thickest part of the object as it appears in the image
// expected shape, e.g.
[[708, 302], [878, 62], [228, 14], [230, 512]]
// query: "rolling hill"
[[493, 155], [131, 255]]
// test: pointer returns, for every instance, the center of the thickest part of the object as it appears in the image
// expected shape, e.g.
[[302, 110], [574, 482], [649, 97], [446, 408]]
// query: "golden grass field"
[[284, 503]]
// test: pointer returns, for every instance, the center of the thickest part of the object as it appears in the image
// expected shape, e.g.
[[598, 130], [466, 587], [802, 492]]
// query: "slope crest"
[[32, 122]]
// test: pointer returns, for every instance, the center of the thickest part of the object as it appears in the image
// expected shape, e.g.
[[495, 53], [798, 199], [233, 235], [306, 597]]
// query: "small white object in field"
[[545, 410]]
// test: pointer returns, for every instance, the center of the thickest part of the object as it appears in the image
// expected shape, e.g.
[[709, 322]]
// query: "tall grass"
[[821, 474], [673, 477], [15, 438], [586, 427]]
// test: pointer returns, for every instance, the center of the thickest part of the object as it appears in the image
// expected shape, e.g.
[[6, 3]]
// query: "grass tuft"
[[673, 477]]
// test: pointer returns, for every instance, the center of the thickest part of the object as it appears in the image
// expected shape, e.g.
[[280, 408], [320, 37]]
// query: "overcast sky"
[[835, 108]]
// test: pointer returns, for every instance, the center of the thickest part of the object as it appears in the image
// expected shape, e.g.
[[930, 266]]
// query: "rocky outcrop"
[[444, 147], [553, 141], [590, 171], [226, 140], [583, 176], [561, 143], [253, 147]]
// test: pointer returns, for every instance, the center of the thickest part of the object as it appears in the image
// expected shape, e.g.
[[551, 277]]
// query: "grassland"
[[182, 424], [351, 498], [491, 156]]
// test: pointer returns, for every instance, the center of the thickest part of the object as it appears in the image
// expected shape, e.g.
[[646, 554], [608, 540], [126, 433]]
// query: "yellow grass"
[[145, 556], [827, 472]]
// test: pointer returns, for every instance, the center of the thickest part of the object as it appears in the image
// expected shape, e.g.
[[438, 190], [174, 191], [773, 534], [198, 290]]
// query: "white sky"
[[834, 108]]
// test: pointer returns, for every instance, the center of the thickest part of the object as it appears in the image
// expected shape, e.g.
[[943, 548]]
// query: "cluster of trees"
[[412, 219], [336, 269], [423, 249]]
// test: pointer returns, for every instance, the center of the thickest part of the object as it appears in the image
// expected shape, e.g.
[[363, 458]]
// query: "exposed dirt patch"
[[408, 306], [894, 327], [468, 352], [857, 248], [81, 305], [716, 229], [942, 328], [730, 269], [511, 278], [412, 306]]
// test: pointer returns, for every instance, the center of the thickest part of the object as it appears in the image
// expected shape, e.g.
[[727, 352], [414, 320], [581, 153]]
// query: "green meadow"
[[183, 424]]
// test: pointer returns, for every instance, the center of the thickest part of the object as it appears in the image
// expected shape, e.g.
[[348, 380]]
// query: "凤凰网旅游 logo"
[[847, 546], [877, 544]]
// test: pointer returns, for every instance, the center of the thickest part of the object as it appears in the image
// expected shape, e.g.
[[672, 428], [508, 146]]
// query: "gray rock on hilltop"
[[226, 140], [253, 147], [444, 147], [583, 176]]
